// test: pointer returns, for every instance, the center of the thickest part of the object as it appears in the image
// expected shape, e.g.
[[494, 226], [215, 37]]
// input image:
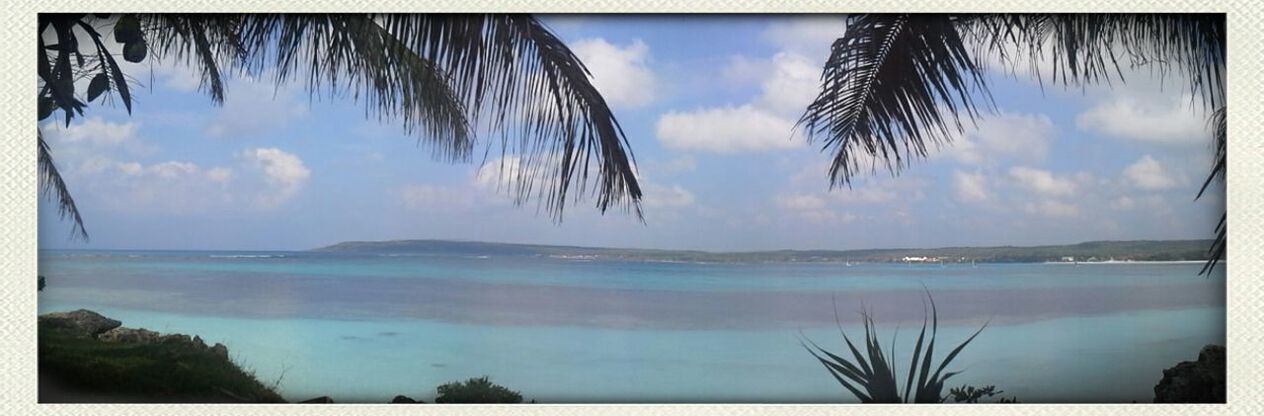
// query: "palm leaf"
[[891, 87], [1217, 250], [53, 187], [448, 78], [895, 84]]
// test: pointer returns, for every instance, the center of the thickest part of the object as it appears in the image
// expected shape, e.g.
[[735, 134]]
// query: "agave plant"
[[872, 376]]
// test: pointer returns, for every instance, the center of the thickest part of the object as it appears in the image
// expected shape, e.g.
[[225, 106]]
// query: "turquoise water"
[[365, 328]]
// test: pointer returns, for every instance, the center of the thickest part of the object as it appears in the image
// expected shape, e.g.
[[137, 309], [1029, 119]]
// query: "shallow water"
[[365, 328]]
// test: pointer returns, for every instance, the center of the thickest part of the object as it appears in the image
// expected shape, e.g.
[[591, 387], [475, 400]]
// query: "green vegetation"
[[1099, 250], [970, 394], [872, 377], [74, 367], [476, 390]]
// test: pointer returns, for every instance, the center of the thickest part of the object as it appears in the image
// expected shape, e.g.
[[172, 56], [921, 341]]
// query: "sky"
[[708, 104]]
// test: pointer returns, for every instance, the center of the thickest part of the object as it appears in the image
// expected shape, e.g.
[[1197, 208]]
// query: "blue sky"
[[707, 103]]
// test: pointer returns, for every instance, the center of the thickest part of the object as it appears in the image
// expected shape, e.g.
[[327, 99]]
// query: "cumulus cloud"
[[93, 130], [762, 124], [725, 130], [619, 72], [284, 172], [169, 186], [792, 84], [264, 179], [1171, 120], [1147, 173], [1017, 136], [810, 35], [788, 82], [970, 187], [1042, 181]]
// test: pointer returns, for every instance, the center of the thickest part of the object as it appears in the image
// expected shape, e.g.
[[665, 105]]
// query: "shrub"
[[476, 390], [970, 394]]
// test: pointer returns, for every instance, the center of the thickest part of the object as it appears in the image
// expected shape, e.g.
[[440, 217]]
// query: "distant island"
[[1092, 251]]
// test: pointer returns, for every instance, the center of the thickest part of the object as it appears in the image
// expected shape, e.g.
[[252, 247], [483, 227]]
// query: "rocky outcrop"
[[129, 335], [1201, 381], [82, 322], [87, 323]]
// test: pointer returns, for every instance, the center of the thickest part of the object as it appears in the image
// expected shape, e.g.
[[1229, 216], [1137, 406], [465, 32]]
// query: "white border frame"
[[18, 226]]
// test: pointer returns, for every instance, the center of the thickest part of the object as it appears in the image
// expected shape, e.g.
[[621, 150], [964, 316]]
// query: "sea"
[[364, 328]]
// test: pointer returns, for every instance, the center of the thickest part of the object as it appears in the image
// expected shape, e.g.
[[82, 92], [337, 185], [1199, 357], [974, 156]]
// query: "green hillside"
[[1167, 250]]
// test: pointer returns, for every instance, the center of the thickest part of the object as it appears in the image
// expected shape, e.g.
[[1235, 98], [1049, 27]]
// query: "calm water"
[[366, 328]]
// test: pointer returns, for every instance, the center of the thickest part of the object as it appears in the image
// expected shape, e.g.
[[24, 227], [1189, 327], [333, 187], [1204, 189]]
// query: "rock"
[[321, 399], [1201, 381], [129, 335], [403, 399], [82, 322], [220, 350]]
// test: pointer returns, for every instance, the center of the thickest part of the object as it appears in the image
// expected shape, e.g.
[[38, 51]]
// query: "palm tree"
[[448, 78], [897, 84]]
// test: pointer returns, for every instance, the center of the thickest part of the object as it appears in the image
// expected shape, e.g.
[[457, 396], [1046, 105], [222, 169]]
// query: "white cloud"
[[1147, 173], [765, 122], [620, 73], [93, 130], [970, 187], [1123, 203], [284, 172], [499, 174], [659, 196], [1052, 209], [1017, 136], [725, 130], [1170, 120], [1042, 181], [811, 35], [792, 84], [170, 186]]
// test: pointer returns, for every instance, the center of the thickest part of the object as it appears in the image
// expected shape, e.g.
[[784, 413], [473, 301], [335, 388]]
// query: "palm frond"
[[1094, 48], [53, 187], [892, 87], [896, 82], [1217, 250], [449, 78]]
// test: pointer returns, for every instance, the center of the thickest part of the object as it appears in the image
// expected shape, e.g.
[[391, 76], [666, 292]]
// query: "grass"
[[872, 376], [77, 368]]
